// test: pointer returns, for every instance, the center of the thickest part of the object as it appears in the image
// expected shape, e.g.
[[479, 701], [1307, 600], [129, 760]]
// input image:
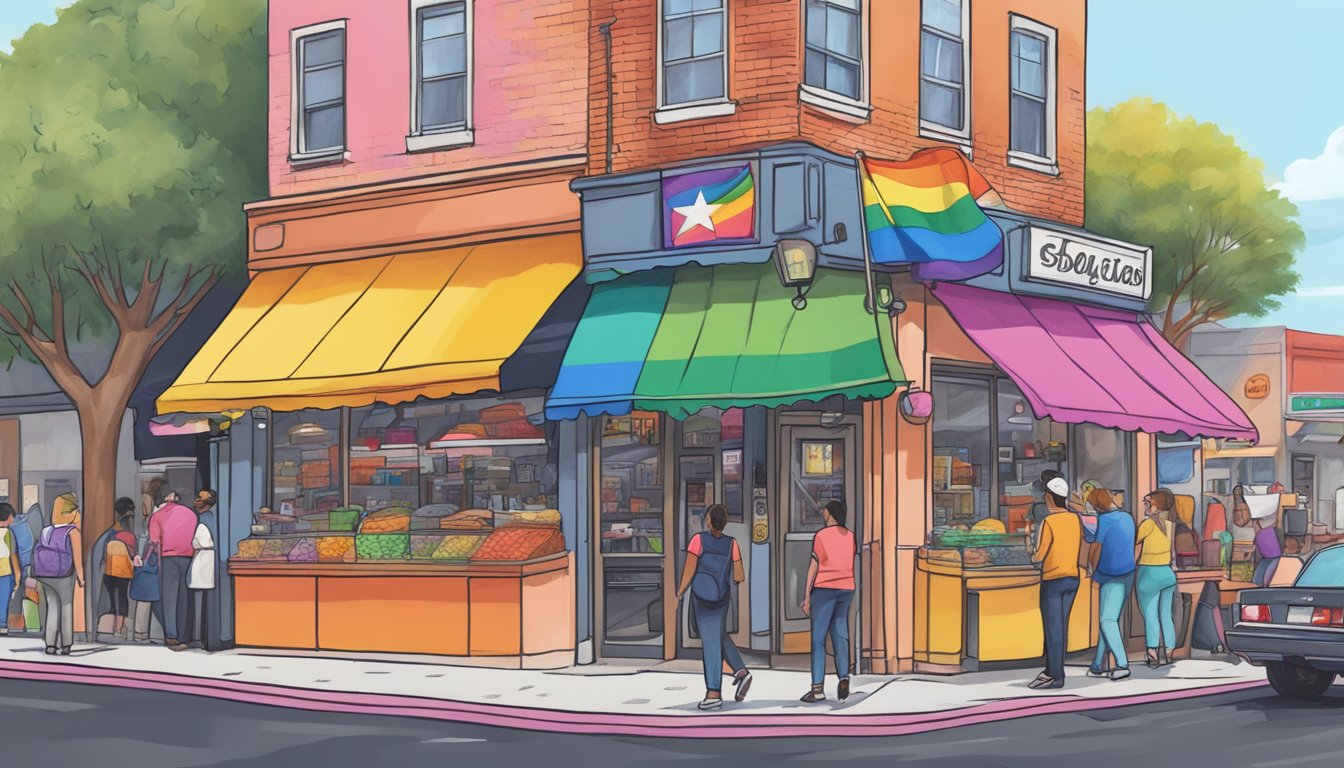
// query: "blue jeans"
[[1056, 604], [712, 620], [1264, 571], [1156, 586], [830, 616], [1114, 593], [6, 590]]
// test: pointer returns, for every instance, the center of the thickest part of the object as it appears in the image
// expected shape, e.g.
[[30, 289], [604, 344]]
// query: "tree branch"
[[180, 310]]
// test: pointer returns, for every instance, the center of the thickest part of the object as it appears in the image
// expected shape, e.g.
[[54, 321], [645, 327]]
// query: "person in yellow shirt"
[[1156, 582], [1057, 553]]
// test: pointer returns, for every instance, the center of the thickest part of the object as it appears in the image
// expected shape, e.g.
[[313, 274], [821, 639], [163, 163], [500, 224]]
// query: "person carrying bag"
[[145, 585], [713, 562]]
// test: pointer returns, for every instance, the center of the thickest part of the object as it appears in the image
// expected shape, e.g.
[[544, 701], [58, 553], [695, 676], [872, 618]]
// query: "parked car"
[[1296, 633]]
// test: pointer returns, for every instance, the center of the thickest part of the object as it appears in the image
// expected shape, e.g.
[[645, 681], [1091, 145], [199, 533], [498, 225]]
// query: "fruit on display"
[[275, 549], [345, 518], [249, 549], [382, 546], [424, 545], [336, 549], [468, 520], [457, 547], [520, 543], [304, 551], [390, 520], [543, 517]]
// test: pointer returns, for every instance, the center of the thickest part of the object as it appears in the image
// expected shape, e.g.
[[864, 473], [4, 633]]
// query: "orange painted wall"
[[765, 70], [1315, 362]]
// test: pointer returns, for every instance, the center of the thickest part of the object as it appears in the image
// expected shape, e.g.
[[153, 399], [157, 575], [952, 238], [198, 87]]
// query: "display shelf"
[[487, 443]]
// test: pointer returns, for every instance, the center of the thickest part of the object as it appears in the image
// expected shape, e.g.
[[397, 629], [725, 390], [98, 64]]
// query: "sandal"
[[813, 696], [742, 681], [1153, 659]]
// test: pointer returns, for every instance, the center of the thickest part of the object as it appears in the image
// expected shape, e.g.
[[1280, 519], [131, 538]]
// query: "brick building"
[[761, 106]]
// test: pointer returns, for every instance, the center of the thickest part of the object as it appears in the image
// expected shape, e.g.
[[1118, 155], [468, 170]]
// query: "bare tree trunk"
[[100, 420]]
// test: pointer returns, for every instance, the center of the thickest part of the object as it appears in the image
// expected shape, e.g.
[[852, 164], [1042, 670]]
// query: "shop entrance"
[[818, 462]]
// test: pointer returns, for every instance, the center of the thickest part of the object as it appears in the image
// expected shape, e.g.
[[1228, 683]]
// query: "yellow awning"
[[388, 329]]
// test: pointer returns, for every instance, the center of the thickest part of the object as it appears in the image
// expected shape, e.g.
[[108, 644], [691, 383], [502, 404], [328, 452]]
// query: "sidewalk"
[[608, 698]]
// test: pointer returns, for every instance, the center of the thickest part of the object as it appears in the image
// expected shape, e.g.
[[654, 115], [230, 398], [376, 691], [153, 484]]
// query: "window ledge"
[[681, 113], [938, 132], [315, 159], [1033, 162], [841, 106], [426, 142]]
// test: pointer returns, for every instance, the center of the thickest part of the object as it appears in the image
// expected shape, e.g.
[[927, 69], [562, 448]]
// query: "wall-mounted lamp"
[[796, 261]]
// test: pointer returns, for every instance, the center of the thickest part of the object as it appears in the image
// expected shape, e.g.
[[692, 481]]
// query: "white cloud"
[[1317, 178], [1322, 291]]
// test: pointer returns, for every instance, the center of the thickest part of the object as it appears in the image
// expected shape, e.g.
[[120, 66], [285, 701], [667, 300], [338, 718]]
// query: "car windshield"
[[1326, 569]]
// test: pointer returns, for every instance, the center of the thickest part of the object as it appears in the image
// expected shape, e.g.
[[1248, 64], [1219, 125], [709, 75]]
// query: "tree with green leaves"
[[131, 133], [1224, 243]]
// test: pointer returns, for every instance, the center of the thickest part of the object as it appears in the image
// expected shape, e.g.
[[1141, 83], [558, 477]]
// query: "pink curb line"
[[723, 725]]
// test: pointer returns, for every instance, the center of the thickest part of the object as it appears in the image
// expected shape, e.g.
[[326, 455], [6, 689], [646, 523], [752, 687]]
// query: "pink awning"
[[1102, 366]]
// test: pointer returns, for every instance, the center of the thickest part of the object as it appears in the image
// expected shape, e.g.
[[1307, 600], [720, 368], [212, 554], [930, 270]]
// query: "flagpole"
[[871, 301]]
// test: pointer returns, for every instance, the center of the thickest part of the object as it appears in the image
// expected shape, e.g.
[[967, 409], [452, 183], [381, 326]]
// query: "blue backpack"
[[23, 539], [714, 569]]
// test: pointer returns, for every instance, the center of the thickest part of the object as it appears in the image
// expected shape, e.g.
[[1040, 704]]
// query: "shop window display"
[[1026, 447], [963, 451], [305, 465], [1102, 458]]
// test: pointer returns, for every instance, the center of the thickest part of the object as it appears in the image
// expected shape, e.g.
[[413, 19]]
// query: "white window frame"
[[297, 153], [418, 140], [1049, 163], [931, 130], [851, 110], [692, 110]]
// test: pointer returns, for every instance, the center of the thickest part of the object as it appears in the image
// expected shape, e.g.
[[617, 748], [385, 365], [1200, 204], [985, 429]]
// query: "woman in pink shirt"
[[829, 594]]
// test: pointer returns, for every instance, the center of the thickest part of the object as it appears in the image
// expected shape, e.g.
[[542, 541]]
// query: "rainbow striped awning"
[[680, 339], [924, 212]]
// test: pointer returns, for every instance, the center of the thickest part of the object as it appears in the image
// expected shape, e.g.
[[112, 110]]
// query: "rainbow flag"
[[924, 212], [706, 207]]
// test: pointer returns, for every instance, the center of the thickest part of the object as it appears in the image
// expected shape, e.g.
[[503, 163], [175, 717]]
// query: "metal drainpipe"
[[605, 31]]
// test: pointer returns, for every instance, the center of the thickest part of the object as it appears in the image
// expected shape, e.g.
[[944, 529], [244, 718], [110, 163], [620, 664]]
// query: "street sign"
[[1316, 403]]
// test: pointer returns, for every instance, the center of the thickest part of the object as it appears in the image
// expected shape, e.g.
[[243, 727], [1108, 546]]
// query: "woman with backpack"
[[59, 569], [1156, 581], [712, 559], [829, 594]]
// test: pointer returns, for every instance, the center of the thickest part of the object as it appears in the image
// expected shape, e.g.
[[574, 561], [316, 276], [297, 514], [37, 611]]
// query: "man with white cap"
[[1057, 553]]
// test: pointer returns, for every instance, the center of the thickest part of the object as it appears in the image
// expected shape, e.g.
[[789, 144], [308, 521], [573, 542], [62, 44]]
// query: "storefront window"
[[306, 462], [630, 518], [1102, 458], [1026, 448], [962, 451]]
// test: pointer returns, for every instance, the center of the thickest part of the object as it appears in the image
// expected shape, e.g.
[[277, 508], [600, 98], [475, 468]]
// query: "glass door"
[[818, 464]]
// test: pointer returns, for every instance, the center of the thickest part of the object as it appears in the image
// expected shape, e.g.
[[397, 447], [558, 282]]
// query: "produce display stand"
[[505, 614]]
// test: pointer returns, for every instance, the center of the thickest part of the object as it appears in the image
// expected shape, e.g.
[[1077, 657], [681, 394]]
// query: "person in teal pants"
[[1113, 549], [1156, 582]]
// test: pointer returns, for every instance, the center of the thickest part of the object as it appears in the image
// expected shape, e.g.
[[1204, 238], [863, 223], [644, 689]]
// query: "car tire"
[[1296, 681]]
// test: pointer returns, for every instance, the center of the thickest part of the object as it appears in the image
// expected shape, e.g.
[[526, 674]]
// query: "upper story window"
[[442, 77], [944, 60], [318, 114], [694, 52], [834, 56], [1033, 112]]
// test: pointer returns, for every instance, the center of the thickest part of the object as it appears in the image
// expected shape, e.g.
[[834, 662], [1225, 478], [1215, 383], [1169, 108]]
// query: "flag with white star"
[[709, 207]]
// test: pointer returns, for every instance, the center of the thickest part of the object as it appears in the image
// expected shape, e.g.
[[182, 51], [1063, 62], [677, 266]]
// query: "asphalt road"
[[58, 724]]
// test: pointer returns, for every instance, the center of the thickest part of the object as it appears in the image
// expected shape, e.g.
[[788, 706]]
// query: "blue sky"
[[1266, 71]]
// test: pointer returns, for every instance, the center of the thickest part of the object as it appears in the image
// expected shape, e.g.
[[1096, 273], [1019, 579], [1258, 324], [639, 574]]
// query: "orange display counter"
[[516, 615]]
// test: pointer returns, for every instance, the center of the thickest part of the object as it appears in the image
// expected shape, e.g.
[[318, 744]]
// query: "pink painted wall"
[[530, 89]]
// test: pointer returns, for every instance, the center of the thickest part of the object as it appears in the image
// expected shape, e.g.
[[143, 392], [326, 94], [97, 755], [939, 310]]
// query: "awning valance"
[[1077, 363], [677, 340], [388, 329]]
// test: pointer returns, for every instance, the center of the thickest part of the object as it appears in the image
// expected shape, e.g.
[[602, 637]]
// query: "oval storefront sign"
[[1257, 387]]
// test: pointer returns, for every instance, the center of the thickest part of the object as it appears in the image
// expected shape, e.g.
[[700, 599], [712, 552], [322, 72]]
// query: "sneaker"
[[1120, 674], [1042, 680], [742, 680], [709, 703], [813, 696], [1094, 672], [64, 651], [843, 692]]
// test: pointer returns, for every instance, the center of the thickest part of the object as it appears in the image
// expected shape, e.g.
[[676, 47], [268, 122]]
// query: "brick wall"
[[765, 58], [529, 80]]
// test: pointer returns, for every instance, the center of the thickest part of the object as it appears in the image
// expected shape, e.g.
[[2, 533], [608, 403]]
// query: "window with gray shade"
[[695, 58], [322, 92], [1029, 73], [442, 88], [834, 58], [942, 58]]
